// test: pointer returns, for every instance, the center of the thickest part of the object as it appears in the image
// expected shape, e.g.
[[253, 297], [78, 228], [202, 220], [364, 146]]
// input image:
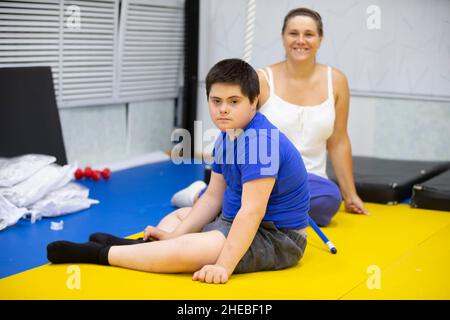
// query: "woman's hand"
[[211, 274], [354, 204], [154, 233]]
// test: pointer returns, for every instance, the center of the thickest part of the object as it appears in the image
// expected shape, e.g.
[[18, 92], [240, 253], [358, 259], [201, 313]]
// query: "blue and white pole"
[[322, 236]]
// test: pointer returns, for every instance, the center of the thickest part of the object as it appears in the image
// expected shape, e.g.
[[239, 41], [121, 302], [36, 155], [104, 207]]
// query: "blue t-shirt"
[[262, 151]]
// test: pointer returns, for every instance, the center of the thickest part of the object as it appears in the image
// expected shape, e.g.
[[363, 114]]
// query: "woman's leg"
[[187, 196], [187, 253], [325, 199]]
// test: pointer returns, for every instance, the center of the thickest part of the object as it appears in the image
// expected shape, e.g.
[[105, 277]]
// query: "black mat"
[[29, 118], [389, 181], [433, 194]]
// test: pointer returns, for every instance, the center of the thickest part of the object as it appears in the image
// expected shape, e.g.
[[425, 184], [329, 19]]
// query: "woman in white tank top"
[[309, 102]]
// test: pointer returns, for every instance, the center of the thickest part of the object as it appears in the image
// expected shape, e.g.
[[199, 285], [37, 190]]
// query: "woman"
[[309, 103]]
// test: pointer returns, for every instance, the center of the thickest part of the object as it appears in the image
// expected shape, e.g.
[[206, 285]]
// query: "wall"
[[105, 134], [408, 122]]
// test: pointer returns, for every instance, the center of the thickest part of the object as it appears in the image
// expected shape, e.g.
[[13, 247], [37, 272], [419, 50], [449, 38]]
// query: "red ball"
[[96, 175], [88, 172], [106, 173], [79, 174]]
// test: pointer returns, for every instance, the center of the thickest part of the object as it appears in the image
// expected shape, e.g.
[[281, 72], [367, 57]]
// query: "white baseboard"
[[147, 158]]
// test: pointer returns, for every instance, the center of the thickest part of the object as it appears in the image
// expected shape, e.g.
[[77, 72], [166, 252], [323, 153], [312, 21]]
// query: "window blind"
[[30, 35], [89, 53], [150, 49], [114, 56]]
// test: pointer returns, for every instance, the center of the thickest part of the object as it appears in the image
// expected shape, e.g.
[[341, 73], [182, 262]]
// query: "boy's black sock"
[[110, 240], [70, 252]]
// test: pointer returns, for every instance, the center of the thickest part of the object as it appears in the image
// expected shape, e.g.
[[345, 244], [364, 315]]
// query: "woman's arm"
[[339, 147]]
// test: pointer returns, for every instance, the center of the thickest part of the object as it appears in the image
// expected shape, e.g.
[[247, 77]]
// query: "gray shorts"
[[271, 249]]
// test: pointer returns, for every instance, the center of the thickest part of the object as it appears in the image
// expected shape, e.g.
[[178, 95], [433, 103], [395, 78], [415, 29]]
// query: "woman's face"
[[301, 39]]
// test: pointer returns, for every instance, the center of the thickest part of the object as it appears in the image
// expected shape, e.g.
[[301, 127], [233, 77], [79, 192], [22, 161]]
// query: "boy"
[[258, 208]]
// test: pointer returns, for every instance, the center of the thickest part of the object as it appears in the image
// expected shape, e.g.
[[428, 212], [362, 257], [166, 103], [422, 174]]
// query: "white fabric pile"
[[34, 185]]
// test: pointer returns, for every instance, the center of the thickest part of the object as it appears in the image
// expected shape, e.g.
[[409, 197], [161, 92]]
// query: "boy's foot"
[[70, 252], [110, 240], [186, 196]]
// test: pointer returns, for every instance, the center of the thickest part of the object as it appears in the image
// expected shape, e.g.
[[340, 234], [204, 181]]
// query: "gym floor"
[[395, 253]]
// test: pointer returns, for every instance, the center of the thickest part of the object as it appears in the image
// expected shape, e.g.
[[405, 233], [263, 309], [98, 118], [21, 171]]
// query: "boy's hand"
[[211, 274], [154, 233]]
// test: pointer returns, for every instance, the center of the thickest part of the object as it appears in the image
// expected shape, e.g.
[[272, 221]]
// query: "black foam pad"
[[29, 118], [389, 181], [433, 194]]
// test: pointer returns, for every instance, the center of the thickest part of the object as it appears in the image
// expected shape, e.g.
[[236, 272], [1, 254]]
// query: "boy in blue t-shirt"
[[253, 214]]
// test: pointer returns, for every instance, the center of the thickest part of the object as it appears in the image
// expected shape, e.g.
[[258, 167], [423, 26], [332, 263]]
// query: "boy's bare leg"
[[187, 253], [172, 220], [168, 223], [196, 197]]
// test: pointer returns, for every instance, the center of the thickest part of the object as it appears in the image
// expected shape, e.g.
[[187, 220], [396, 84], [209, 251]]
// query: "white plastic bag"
[[9, 213], [68, 199], [18, 169], [38, 185], [69, 191]]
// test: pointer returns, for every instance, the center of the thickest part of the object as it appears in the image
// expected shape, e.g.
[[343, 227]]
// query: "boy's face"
[[229, 108]]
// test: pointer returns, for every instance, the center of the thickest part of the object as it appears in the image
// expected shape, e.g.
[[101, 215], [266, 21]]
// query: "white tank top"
[[308, 127]]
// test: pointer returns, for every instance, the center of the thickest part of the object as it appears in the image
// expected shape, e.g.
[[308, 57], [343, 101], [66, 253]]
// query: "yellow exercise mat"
[[421, 273], [385, 250]]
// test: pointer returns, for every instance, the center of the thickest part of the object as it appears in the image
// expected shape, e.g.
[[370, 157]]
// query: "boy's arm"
[[255, 196], [205, 209]]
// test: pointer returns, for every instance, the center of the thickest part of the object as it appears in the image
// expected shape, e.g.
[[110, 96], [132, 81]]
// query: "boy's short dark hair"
[[234, 71]]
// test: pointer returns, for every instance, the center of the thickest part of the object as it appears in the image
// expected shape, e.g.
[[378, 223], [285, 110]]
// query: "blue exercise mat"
[[129, 201]]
